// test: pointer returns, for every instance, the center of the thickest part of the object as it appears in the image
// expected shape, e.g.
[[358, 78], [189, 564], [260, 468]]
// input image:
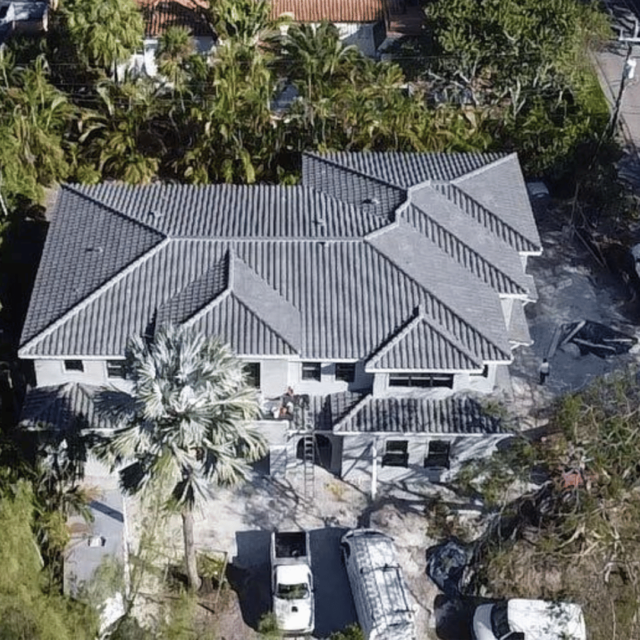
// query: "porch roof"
[[455, 415]]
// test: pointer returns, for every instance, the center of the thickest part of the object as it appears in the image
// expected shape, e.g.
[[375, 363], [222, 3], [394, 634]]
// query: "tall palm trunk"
[[190, 550]]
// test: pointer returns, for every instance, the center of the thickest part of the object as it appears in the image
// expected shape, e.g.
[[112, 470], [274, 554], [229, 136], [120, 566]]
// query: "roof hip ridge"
[[459, 190], [386, 183], [419, 316], [366, 399], [95, 294], [78, 191], [502, 157], [436, 298], [449, 234]]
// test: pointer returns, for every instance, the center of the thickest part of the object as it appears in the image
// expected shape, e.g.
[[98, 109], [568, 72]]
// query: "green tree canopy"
[[105, 33], [34, 117], [27, 610]]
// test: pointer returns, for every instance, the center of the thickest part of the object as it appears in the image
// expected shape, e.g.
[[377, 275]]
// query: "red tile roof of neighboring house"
[[159, 15], [331, 10]]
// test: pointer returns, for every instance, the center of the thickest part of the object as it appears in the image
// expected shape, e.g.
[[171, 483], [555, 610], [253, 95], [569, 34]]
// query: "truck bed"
[[290, 544]]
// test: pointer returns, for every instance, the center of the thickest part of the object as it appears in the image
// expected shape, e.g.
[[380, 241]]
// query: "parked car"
[[292, 582], [380, 594], [529, 620]]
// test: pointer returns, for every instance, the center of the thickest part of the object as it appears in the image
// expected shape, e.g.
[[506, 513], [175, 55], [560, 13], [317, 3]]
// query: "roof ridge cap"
[[386, 183], [466, 246], [226, 292], [485, 167], [95, 294], [393, 341], [76, 189], [266, 324], [366, 399]]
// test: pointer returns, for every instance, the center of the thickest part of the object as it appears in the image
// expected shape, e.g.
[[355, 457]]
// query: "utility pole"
[[3, 206], [628, 73]]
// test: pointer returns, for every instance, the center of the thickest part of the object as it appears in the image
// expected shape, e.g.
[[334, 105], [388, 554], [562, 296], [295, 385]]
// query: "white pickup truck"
[[292, 582], [529, 620]]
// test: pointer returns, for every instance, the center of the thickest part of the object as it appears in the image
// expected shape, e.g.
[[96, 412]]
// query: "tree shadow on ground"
[[454, 616]]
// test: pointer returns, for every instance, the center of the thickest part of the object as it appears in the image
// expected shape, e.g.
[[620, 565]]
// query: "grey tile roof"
[[65, 407], [409, 169], [488, 218], [369, 194], [236, 211], [503, 192], [329, 409], [469, 243], [456, 415], [92, 244], [246, 332], [71, 406], [319, 271], [474, 316], [421, 347], [196, 295]]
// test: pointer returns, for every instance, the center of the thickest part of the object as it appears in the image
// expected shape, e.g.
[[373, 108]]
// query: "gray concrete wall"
[[51, 372], [461, 382], [328, 383], [274, 431], [357, 460]]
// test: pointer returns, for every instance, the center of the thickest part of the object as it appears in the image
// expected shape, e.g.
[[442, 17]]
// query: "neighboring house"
[[363, 23], [383, 290], [158, 16], [23, 17]]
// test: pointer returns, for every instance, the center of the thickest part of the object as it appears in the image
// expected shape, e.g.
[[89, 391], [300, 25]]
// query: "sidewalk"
[[610, 68], [609, 65]]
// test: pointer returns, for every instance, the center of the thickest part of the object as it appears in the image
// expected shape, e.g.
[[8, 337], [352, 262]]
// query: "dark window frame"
[[253, 374], [311, 370], [346, 371], [421, 380], [396, 453], [438, 459], [116, 369], [75, 366]]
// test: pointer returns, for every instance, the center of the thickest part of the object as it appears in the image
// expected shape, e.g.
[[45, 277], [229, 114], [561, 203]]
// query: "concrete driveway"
[[250, 576]]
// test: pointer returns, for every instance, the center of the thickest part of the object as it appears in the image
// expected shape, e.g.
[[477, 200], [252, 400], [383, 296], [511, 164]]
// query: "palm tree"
[[185, 427], [175, 49], [105, 33], [243, 21], [34, 120]]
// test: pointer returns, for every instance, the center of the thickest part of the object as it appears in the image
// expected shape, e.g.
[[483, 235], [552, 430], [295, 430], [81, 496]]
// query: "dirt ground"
[[571, 287], [240, 522]]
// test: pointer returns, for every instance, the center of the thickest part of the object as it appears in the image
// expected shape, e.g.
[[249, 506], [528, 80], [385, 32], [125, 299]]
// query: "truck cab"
[[292, 582], [519, 619]]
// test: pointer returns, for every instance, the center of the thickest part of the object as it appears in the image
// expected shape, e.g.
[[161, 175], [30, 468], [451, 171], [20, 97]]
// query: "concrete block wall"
[[52, 372], [357, 452]]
